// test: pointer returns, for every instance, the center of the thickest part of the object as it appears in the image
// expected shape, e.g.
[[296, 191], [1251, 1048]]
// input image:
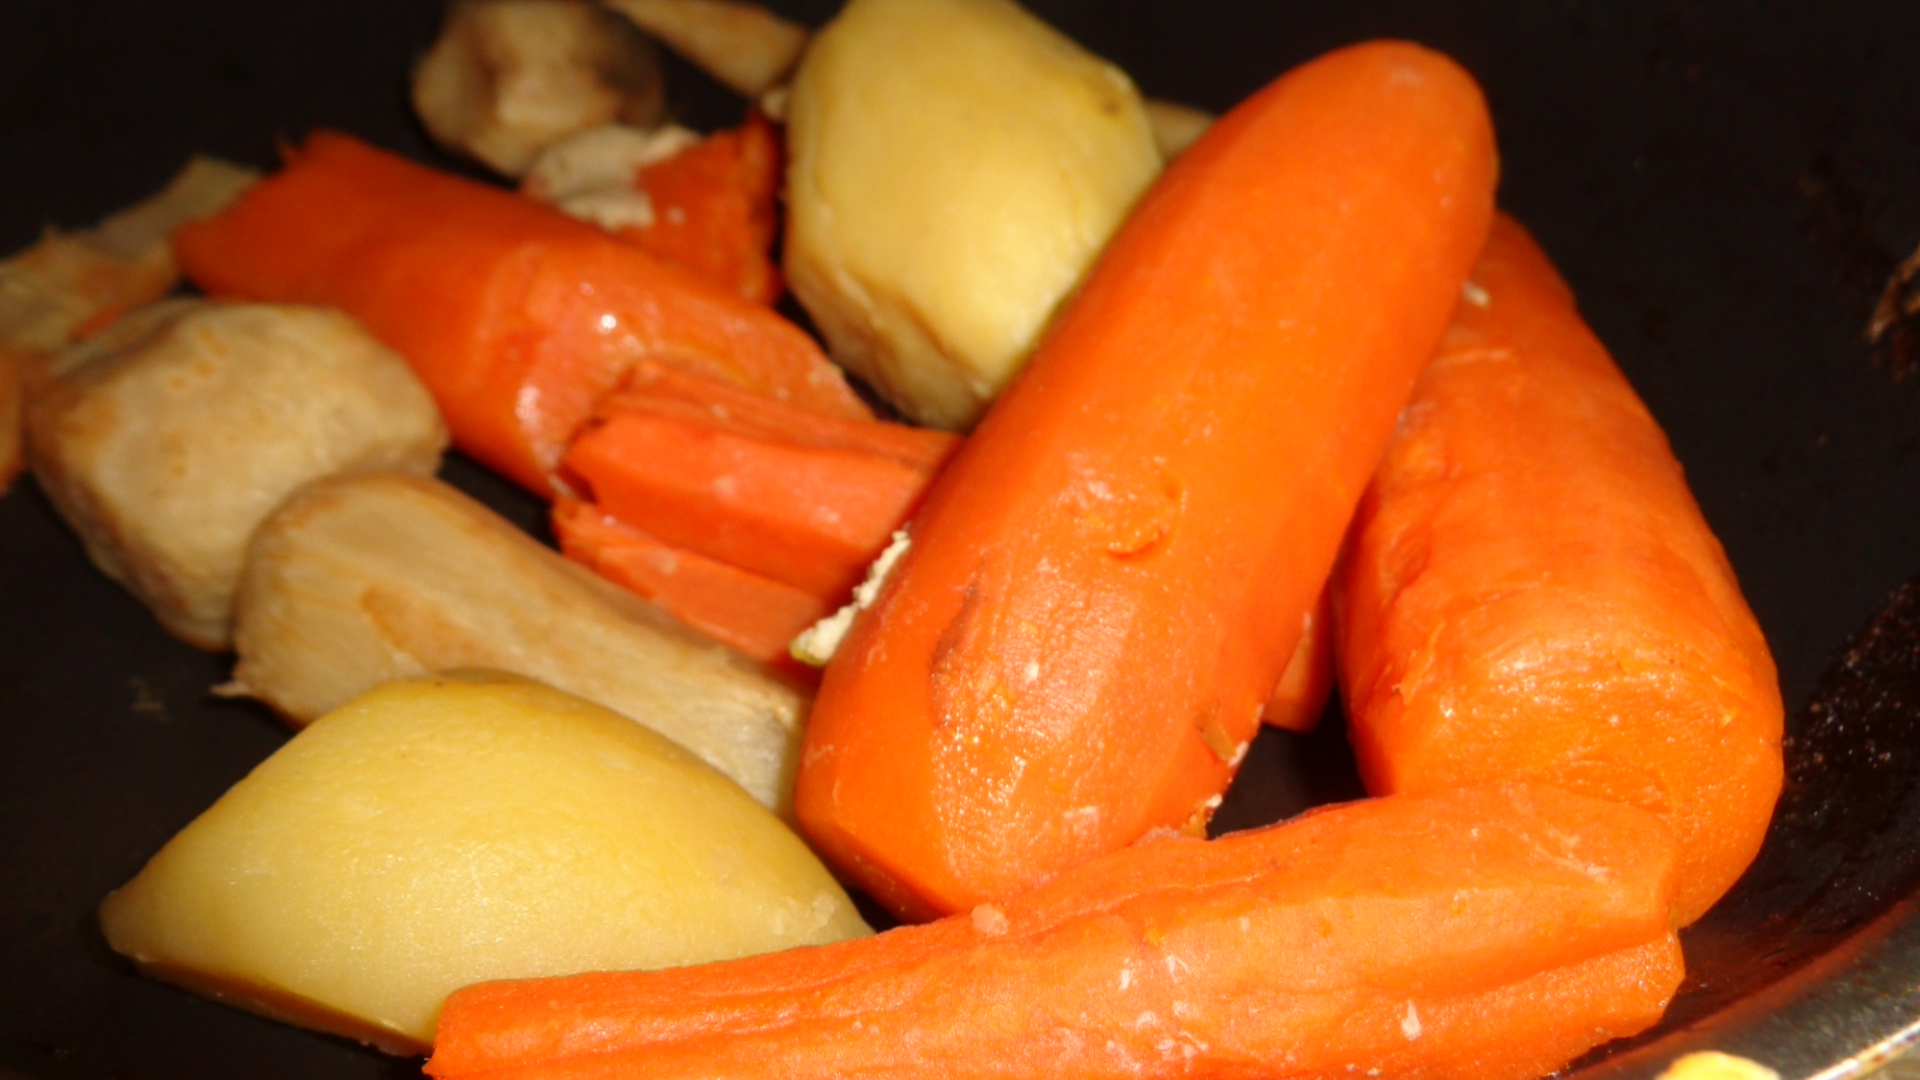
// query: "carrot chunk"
[[754, 614], [1531, 592], [518, 318], [1105, 585], [713, 208], [1491, 934]]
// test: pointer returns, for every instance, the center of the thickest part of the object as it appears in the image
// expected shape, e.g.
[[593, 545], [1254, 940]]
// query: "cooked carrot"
[[755, 614], [1301, 695], [1531, 592], [811, 516], [1486, 934], [518, 318], [676, 391], [1105, 585], [713, 208]]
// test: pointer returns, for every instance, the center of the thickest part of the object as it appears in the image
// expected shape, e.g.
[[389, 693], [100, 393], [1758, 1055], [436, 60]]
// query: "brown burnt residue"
[[1894, 330], [1839, 225]]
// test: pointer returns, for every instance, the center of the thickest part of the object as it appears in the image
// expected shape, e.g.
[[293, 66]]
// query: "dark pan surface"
[[1727, 186]]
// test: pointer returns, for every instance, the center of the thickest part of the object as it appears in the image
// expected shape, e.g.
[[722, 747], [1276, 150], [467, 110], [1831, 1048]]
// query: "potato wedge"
[[361, 579], [954, 167], [443, 831]]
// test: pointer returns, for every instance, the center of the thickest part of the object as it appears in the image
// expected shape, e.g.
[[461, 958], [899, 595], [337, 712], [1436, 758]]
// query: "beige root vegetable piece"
[[954, 167], [69, 282], [1176, 126], [164, 440], [443, 831], [506, 78], [361, 579], [749, 49], [591, 175], [53, 290]]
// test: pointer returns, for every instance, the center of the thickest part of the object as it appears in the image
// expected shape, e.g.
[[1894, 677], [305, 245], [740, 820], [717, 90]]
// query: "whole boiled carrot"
[[1105, 585], [518, 318], [1487, 934], [1532, 593]]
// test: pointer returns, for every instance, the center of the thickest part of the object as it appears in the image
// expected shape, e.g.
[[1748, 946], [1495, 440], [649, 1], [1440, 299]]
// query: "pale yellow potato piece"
[[443, 831], [955, 166]]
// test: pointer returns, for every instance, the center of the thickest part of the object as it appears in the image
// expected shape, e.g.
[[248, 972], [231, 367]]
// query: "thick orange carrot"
[[811, 516], [713, 208], [518, 318], [1105, 585], [1486, 934], [1531, 592], [756, 615]]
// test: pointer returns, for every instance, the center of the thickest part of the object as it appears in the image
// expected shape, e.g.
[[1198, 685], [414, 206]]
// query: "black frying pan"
[[1727, 186]]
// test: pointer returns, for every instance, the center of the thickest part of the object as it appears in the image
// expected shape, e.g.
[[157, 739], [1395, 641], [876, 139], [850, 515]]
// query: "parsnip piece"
[[168, 437], [506, 78], [71, 282], [1176, 126], [593, 175], [360, 579], [53, 290], [443, 831], [955, 166], [747, 48]]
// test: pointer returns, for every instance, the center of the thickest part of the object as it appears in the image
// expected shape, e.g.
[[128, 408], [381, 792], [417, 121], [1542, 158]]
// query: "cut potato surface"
[[955, 166], [443, 831]]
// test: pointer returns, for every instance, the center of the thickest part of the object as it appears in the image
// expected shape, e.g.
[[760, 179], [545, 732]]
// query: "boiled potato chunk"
[[442, 831], [955, 166]]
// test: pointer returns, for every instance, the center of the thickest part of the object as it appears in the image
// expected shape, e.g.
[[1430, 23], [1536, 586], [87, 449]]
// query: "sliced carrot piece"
[[1105, 585], [713, 208], [518, 318], [752, 613], [813, 517], [663, 388], [1491, 934], [1531, 592]]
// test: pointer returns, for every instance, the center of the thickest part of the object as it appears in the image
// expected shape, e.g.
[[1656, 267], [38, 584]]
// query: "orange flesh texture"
[[516, 317], [811, 516], [754, 614], [659, 387], [714, 209], [1106, 584], [1489, 933], [1532, 593], [1301, 695]]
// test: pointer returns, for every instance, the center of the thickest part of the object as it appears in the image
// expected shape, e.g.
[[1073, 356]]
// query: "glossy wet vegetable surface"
[[1726, 187]]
